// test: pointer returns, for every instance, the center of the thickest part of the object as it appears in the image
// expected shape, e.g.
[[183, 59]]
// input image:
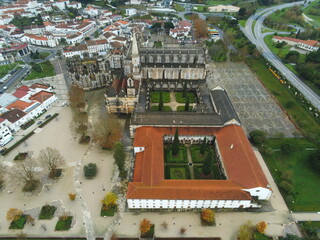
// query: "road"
[[17, 76], [255, 35]]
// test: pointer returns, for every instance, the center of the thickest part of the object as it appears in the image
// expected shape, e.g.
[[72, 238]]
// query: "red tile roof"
[[38, 85], [41, 96], [19, 105], [242, 168], [308, 42]]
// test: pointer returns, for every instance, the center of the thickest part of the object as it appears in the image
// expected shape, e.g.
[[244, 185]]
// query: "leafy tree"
[[258, 137], [203, 146], [145, 226], [13, 214], [201, 28], [207, 215], [245, 231], [242, 11], [184, 93], [168, 25], [72, 196], [51, 159], [287, 146], [110, 200], [156, 25], [261, 227], [90, 170], [292, 56], [160, 106], [186, 106], [292, 237], [207, 167], [287, 187], [175, 143], [36, 67], [119, 156]]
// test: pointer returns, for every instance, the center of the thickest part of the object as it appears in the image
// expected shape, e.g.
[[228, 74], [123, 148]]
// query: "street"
[[17, 76], [256, 36]]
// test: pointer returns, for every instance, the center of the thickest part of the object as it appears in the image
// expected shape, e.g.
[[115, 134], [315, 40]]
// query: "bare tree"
[[51, 159], [24, 173], [76, 97], [3, 171], [201, 28], [107, 131]]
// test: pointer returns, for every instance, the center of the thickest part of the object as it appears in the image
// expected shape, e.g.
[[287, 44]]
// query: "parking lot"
[[254, 105]]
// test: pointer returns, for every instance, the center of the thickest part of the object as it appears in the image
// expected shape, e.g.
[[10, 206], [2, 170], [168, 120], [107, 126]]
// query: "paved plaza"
[[254, 105]]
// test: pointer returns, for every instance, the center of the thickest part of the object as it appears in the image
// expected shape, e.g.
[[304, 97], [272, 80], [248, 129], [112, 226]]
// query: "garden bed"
[[19, 223], [47, 212], [177, 172], [197, 157], [31, 185], [107, 212], [64, 223], [55, 173], [181, 157], [181, 99], [27, 125], [21, 156], [182, 109], [164, 109], [155, 97]]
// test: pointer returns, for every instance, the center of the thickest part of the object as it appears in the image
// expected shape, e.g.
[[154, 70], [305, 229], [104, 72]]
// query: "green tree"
[[175, 144], [258, 137], [90, 170], [314, 160], [203, 146], [184, 94], [156, 25], [119, 155], [208, 164], [287, 146], [168, 25], [186, 106], [160, 106]]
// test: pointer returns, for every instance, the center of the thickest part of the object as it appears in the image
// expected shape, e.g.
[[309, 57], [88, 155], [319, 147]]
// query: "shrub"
[[110, 200], [19, 222], [261, 227], [13, 214], [47, 212], [90, 170], [207, 216], [258, 137]]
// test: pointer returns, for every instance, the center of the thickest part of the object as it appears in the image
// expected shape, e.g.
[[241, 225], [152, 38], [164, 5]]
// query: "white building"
[[5, 133], [308, 45], [46, 41], [131, 11], [224, 8], [241, 184]]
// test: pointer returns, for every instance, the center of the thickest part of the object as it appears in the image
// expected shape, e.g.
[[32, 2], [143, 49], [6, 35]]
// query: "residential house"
[[5, 133]]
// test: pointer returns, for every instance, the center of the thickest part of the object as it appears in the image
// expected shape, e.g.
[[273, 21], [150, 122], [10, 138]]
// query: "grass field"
[[217, 2], [305, 179], [308, 124], [279, 17], [200, 8], [178, 7], [195, 154], [47, 71], [155, 97], [5, 69], [313, 12], [64, 224], [242, 22]]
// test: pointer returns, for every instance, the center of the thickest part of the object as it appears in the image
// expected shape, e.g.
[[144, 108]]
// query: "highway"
[[255, 35], [17, 76]]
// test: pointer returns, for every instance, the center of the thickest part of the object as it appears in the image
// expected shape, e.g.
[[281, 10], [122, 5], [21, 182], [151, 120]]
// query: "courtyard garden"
[[186, 161], [166, 101]]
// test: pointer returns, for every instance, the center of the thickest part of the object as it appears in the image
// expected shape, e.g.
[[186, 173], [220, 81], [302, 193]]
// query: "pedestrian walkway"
[[190, 163]]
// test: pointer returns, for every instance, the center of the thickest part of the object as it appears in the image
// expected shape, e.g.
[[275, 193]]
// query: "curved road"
[[256, 36]]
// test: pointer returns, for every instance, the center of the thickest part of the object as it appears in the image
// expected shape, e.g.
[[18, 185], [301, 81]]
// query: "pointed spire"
[[135, 51]]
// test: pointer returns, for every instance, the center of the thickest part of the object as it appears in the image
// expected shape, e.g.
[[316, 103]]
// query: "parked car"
[[39, 123], [48, 116]]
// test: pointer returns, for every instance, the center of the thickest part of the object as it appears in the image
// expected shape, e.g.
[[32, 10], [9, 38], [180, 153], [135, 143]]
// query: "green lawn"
[[308, 124], [164, 109], [181, 99], [155, 97], [200, 8], [180, 158], [64, 224], [5, 69], [47, 70], [217, 2], [178, 7], [195, 154], [177, 172], [280, 17], [305, 179], [19, 223]]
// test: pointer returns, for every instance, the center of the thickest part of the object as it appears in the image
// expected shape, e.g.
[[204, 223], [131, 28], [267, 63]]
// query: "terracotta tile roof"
[[41, 96], [36, 37], [308, 42], [185, 23], [19, 105], [96, 42], [19, 93], [242, 167], [13, 115], [38, 85]]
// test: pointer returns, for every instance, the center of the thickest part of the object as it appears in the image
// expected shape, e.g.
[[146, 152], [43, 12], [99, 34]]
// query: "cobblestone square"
[[254, 105]]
